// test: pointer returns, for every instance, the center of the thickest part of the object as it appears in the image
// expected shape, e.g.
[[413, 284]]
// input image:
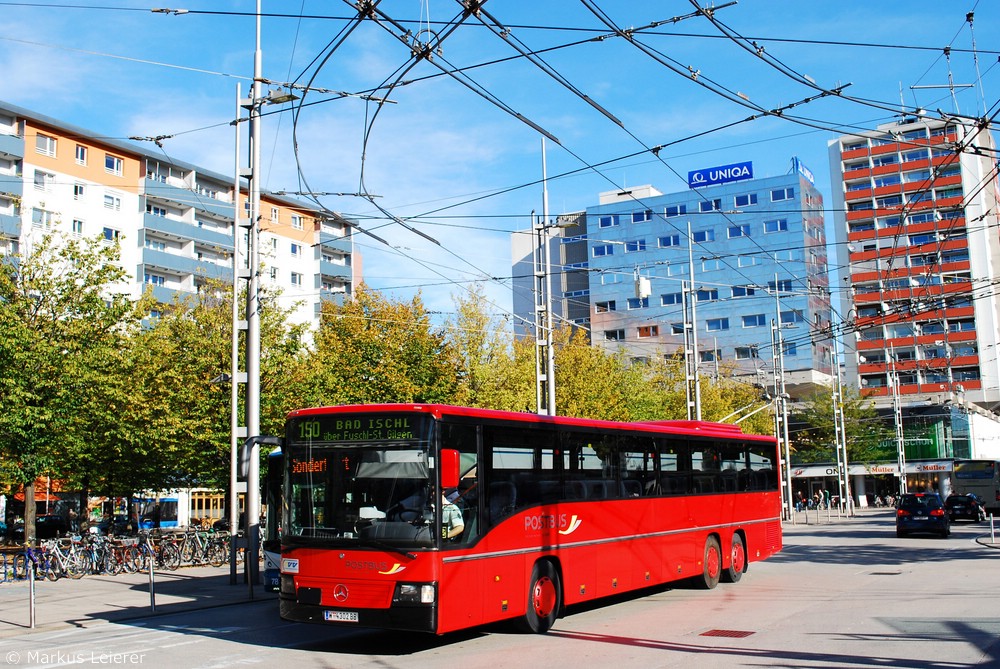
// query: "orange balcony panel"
[[885, 148], [916, 164], [857, 173], [887, 190], [885, 169], [953, 180], [854, 154], [856, 195], [948, 202], [875, 392], [860, 214]]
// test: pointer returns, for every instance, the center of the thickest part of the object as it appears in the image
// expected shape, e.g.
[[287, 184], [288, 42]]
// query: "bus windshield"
[[369, 480]]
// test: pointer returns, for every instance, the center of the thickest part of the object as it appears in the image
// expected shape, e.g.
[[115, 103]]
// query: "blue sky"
[[461, 167]]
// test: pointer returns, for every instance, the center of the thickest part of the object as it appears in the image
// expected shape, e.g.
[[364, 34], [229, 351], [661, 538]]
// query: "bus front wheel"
[[544, 598], [737, 561], [711, 564]]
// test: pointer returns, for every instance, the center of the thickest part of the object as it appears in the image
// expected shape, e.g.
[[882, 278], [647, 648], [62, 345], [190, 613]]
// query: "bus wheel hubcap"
[[543, 597]]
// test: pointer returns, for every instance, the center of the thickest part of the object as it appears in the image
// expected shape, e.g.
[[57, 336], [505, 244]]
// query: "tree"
[[373, 350], [64, 319], [866, 434]]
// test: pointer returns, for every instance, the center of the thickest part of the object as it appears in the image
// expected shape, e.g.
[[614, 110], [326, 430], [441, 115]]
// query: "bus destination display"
[[359, 428]]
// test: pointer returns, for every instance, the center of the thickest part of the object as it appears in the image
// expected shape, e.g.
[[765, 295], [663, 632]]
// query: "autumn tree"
[[64, 322], [371, 349]]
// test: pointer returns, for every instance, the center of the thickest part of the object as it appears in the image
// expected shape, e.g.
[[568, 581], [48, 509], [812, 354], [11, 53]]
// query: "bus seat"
[[631, 488], [575, 490], [503, 497]]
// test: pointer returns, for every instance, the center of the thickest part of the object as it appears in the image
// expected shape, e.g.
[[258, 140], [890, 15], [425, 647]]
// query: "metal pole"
[[550, 357], [152, 592], [29, 565], [694, 327], [253, 319], [897, 416], [234, 366]]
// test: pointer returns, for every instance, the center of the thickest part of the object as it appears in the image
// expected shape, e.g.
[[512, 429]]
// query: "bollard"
[[993, 536], [30, 567], [152, 592]]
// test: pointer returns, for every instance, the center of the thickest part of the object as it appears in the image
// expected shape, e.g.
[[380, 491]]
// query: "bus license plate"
[[341, 616]]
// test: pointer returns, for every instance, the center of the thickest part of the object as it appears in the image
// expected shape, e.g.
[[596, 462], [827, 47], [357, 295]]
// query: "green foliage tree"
[[64, 321], [814, 438], [371, 349]]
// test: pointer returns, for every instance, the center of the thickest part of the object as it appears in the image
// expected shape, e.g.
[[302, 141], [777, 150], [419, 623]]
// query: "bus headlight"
[[414, 593], [287, 584]]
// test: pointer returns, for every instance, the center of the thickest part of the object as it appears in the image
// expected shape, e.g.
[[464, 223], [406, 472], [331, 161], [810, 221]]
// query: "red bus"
[[437, 518]]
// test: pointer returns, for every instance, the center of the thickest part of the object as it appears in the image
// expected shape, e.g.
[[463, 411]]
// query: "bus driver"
[[452, 523]]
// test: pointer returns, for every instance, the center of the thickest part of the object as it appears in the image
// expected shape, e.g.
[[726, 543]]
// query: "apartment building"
[[174, 221], [739, 262], [916, 220]]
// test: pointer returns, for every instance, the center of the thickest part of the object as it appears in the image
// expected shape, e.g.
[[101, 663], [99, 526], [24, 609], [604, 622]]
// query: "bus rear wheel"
[[544, 598], [737, 561], [711, 564]]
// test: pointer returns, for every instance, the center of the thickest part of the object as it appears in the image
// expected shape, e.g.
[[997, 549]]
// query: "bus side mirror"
[[449, 468]]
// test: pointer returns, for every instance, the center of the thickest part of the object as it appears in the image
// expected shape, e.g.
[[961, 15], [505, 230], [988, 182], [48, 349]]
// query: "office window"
[[604, 250], [604, 307], [754, 321], [155, 210], [675, 210], [777, 225], [114, 165], [638, 303], [642, 216], [745, 200], [671, 298], [747, 261], [739, 230], [614, 335], [44, 180], [716, 324], [155, 279], [708, 294], [296, 221], [77, 227], [112, 202], [710, 356], [668, 241], [45, 145], [274, 274], [608, 221], [782, 286], [779, 194], [296, 279], [747, 353], [648, 331], [709, 264], [743, 291], [274, 214], [706, 206], [635, 245], [78, 191], [111, 235], [702, 236], [156, 245], [296, 249], [677, 270], [790, 348], [81, 154], [791, 317]]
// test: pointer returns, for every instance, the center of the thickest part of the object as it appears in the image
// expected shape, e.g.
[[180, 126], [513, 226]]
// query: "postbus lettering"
[[545, 522], [366, 565]]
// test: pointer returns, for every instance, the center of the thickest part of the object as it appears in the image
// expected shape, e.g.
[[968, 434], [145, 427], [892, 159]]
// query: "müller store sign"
[[821, 471]]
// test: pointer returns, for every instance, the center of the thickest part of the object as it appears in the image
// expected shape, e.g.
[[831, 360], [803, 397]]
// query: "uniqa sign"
[[712, 176]]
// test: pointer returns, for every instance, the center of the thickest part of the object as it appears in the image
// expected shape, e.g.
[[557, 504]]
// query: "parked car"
[[46, 527], [117, 524], [968, 506], [923, 513]]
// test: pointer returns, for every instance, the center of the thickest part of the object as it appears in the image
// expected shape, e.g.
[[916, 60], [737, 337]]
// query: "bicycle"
[[201, 547], [66, 560], [41, 564]]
